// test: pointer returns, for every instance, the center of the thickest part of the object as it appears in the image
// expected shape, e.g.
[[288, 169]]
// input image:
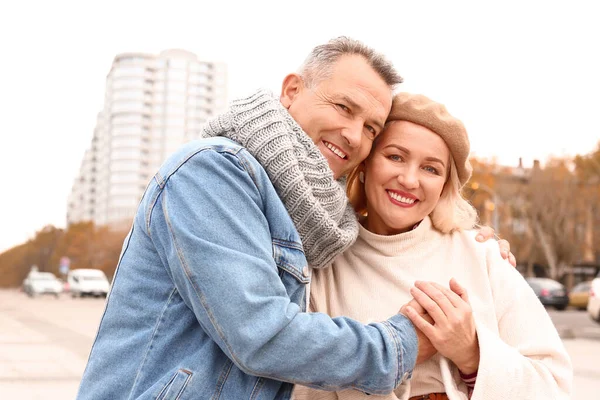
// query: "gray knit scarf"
[[299, 172]]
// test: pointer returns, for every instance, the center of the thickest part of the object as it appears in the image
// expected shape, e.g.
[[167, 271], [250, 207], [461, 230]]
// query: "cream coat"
[[522, 356]]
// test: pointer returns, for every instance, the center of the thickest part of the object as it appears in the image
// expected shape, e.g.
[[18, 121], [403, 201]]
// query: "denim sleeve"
[[219, 252]]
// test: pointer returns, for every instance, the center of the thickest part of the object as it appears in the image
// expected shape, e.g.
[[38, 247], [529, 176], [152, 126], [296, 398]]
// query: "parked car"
[[550, 292], [87, 282], [593, 307], [579, 295], [38, 283]]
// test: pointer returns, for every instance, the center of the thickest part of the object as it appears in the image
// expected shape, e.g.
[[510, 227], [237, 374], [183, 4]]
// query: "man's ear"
[[292, 86]]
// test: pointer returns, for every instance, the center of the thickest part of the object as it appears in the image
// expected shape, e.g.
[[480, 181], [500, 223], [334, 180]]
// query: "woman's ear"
[[362, 168], [355, 188]]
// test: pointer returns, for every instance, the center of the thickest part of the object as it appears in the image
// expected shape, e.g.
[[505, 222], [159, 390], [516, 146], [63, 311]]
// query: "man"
[[208, 298]]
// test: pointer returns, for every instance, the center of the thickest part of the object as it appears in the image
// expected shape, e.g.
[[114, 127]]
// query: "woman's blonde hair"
[[451, 213]]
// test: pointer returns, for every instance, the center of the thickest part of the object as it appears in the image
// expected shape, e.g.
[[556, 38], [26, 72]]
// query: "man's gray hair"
[[318, 65]]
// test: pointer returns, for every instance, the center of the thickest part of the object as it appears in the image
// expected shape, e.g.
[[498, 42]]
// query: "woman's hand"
[[485, 233], [452, 332]]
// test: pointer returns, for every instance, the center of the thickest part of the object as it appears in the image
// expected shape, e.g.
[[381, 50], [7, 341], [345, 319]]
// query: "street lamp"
[[493, 206]]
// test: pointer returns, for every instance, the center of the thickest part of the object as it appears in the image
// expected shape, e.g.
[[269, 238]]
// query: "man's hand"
[[426, 349], [486, 233]]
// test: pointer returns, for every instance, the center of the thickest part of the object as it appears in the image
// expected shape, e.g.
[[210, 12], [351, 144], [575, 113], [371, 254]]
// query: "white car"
[[593, 307], [87, 282], [38, 283]]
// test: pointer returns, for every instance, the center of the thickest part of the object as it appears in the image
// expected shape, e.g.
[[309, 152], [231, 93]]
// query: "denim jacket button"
[[305, 271]]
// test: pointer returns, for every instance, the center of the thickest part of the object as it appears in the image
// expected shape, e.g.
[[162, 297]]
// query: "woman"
[[494, 338]]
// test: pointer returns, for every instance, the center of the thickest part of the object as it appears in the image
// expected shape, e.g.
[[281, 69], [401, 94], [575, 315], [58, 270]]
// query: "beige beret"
[[423, 111]]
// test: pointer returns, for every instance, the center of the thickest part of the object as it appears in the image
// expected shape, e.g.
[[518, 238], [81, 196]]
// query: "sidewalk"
[[35, 365], [585, 355], [44, 345]]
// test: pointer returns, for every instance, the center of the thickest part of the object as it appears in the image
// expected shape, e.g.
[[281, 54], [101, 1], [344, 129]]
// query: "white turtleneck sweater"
[[521, 354]]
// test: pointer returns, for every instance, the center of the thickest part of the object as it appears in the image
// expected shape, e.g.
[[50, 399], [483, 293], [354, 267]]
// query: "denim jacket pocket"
[[293, 270], [174, 389], [290, 257]]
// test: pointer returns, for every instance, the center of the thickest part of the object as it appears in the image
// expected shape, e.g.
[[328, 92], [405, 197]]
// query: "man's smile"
[[335, 150]]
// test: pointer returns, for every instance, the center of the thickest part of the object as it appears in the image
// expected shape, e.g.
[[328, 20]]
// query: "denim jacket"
[[208, 300]]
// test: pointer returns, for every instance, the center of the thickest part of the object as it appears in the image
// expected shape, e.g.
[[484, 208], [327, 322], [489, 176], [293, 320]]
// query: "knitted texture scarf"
[[315, 201]]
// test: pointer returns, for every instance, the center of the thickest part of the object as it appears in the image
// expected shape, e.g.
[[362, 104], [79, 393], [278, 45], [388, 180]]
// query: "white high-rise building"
[[82, 201], [153, 104]]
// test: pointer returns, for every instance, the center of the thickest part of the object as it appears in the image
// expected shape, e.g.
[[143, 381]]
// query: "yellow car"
[[580, 295]]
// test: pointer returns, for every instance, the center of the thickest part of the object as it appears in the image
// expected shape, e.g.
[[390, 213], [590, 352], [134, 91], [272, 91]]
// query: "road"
[[44, 344], [575, 324]]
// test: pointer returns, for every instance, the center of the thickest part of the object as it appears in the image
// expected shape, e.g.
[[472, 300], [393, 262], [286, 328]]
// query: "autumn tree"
[[543, 212], [588, 166], [106, 256], [587, 169], [499, 195], [89, 246], [554, 212], [480, 188], [86, 245], [13, 266]]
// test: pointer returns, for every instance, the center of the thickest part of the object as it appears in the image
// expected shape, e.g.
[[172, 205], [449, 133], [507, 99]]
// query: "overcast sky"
[[523, 76]]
